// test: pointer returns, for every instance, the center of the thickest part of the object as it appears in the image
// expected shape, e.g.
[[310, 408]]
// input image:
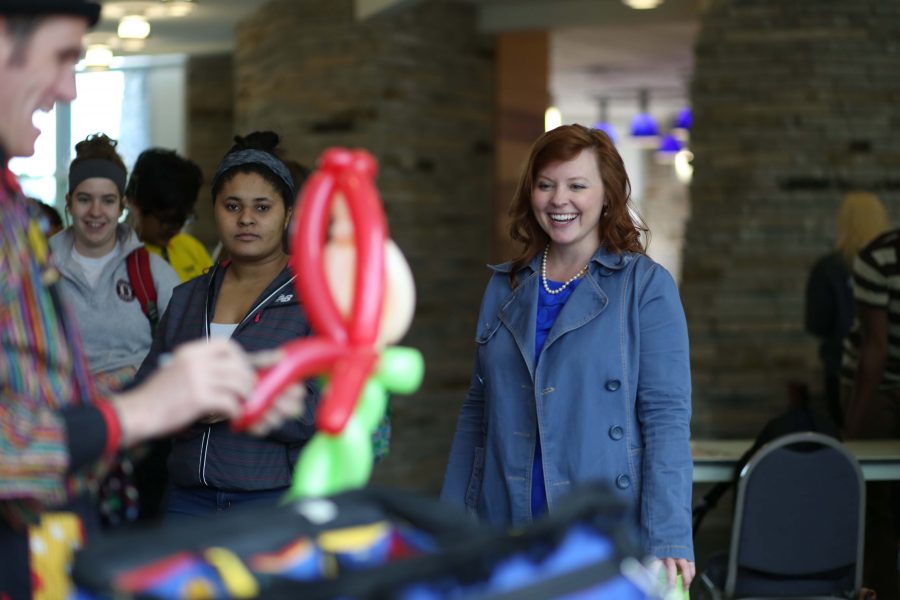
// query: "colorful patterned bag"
[[373, 544]]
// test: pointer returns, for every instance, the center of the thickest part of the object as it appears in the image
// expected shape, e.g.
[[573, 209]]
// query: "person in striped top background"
[[870, 393]]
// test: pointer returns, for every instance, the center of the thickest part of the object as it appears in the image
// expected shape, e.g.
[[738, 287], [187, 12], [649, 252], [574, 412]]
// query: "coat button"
[[613, 384], [623, 482], [616, 432]]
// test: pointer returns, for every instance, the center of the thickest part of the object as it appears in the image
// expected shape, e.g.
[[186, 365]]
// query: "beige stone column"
[[415, 87]]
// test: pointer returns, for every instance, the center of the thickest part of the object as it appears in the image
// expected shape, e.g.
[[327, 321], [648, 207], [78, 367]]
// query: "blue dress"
[[549, 306]]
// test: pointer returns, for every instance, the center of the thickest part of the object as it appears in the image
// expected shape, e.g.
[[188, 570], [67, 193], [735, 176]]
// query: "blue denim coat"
[[610, 395]]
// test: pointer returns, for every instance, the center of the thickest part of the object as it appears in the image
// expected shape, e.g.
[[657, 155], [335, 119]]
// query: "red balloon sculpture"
[[344, 348]]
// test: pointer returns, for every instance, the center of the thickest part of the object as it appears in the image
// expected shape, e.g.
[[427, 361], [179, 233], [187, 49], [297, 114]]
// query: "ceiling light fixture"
[[681, 129], [603, 123], [133, 27], [643, 4], [97, 57], [684, 165], [669, 146], [552, 118], [113, 10], [643, 126], [179, 8]]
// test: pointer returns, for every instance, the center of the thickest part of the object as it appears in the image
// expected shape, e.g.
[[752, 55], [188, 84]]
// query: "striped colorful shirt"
[[876, 284], [42, 367]]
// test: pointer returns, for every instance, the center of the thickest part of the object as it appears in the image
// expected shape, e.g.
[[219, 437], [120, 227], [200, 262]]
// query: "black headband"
[[96, 167], [256, 157]]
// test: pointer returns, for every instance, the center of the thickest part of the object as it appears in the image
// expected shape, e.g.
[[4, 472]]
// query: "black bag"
[[372, 544]]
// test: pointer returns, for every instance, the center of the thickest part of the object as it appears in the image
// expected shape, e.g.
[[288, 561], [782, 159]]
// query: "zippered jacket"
[[213, 455]]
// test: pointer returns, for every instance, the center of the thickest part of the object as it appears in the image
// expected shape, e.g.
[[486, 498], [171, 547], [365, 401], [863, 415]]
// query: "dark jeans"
[[151, 477], [208, 502], [833, 399], [880, 560], [15, 575]]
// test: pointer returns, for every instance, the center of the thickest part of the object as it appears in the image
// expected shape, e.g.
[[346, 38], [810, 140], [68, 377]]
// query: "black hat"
[[83, 8]]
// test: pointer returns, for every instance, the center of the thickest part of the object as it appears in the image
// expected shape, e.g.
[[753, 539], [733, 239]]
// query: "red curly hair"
[[620, 227]]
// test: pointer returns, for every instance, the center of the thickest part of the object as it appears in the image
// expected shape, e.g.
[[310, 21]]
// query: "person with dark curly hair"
[[161, 194], [582, 370], [249, 298]]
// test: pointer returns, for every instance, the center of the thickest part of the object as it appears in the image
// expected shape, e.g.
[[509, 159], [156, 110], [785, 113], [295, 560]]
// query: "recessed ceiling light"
[[552, 118], [643, 4], [134, 27], [178, 8], [114, 10], [97, 56]]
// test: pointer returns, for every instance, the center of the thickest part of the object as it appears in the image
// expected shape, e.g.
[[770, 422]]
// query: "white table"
[[714, 460]]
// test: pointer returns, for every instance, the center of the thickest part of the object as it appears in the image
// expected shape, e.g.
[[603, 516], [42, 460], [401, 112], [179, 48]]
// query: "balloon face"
[[399, 296]]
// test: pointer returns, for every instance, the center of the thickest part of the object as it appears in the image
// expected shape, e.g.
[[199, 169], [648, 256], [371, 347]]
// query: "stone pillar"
[[415, 88], [211, 118], [523, 62], [793, 106]]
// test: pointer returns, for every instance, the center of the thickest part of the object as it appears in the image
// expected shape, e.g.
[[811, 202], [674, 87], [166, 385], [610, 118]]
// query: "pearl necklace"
[[566, 284]]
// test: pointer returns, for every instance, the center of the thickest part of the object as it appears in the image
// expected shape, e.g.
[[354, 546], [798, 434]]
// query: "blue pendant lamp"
[[604, 125], [668, 147], [643, 126], [682, 126]]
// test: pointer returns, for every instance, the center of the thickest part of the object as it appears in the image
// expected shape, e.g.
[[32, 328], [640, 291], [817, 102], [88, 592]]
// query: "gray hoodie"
[[115, 330]]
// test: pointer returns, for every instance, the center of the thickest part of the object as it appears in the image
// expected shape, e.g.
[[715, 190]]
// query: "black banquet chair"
[[798, 524]]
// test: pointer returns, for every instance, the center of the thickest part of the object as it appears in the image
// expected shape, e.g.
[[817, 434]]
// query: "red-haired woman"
[[582, 370]]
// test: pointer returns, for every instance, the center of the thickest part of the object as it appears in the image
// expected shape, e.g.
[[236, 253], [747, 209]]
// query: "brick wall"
[[210, 110], [794, 103], [415, 88]]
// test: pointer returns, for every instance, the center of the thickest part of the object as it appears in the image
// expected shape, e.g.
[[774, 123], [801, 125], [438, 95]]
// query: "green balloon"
[[314, 473], [401, 369], [353, 455], [371, 407], [330, 464]]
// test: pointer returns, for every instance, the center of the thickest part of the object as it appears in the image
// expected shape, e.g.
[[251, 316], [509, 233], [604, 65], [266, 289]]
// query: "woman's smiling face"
[[568, 201], [95, 205]]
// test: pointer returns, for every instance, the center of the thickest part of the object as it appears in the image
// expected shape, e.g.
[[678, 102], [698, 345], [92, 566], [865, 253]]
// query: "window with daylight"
[[98, 108]]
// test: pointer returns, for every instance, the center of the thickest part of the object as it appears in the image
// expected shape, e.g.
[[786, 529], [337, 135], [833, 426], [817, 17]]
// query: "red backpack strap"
[[141, 278]]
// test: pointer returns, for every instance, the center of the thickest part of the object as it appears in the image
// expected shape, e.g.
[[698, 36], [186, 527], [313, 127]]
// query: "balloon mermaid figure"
[[358, 291]]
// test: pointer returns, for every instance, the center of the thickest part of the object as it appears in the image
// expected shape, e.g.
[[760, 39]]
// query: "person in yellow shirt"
[[161, 194]]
